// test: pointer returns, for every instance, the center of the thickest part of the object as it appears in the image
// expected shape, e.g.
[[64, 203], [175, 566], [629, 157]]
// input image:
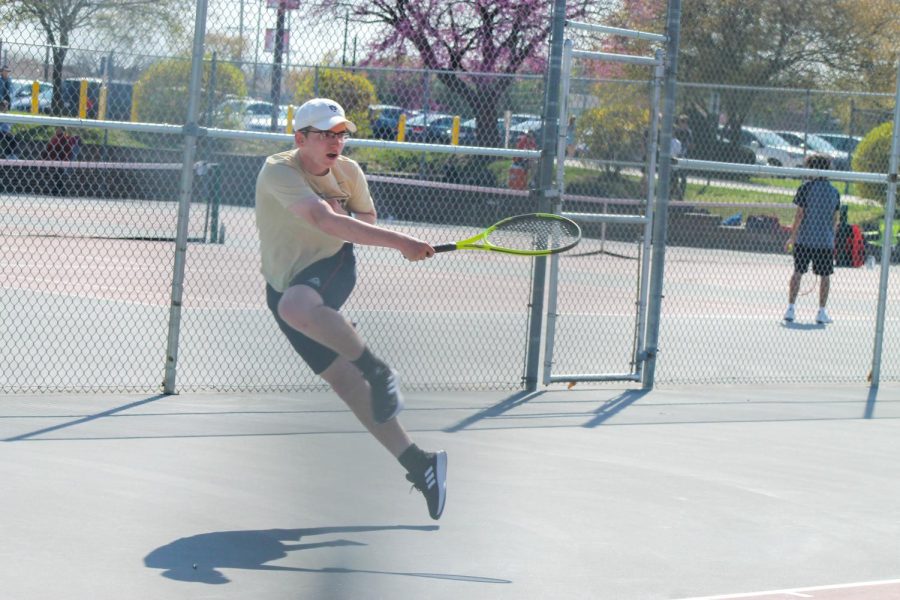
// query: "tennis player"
[[812, 236], [312, 206]]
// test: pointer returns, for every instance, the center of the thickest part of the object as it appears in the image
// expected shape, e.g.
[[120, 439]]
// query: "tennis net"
[[137, 200]]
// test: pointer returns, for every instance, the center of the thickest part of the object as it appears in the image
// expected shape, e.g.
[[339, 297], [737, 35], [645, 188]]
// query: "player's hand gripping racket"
[[536, 234]]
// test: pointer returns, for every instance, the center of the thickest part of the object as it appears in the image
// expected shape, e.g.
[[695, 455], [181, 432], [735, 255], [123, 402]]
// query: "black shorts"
[[822, 260], [333, 278]]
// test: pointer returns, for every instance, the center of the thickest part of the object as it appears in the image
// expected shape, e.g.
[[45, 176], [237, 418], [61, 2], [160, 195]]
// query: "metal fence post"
[[191, 132], [887, 237], [544, 192], [661, 220]]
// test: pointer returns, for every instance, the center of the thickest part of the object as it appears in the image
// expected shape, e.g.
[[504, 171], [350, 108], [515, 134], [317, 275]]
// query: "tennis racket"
[[536, 234]]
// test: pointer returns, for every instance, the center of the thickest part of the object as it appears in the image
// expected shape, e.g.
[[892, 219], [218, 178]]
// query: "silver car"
[[840, 160]]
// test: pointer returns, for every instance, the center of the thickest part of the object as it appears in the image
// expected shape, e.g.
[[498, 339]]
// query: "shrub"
[[353, 92], [871, 156], [162, 91]]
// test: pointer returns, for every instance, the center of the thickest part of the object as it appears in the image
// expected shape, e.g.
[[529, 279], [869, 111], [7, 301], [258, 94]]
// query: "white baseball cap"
[[322, 114]]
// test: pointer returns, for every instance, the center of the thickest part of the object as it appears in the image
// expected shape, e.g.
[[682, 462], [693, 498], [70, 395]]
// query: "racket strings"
[[534, 234]]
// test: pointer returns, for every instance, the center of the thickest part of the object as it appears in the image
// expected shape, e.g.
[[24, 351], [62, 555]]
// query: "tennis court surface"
[[594, 492]]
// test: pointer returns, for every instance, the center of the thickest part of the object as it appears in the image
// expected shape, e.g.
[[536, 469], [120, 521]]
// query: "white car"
[[840, 160], [21, 100], [770, 148], [847, 143], [264, 122], [240, 112]]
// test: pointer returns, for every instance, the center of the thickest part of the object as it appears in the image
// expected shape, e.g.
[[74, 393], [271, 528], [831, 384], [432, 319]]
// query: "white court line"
[[798, 591]]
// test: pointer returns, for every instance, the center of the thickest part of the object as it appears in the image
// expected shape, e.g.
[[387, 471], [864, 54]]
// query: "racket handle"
[[444, 247]]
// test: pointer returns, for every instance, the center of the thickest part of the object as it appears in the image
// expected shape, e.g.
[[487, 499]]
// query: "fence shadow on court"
[[496, 410], [86, 419], [614, 405], [198, 558], [610, 408]]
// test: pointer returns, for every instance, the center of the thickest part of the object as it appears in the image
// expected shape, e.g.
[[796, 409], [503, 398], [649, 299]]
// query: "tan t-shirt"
[[288, 243]]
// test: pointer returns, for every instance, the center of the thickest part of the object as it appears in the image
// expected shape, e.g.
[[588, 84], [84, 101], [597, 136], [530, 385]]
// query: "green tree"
[[354, 92], [769, 43], [162, 91], [58, 19]]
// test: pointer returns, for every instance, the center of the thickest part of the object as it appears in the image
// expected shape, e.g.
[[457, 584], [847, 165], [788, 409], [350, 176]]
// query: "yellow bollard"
[[134, 102], [290, 119], [454, 132], [82, 99], [35, 90], [401, 128], [101, 103]]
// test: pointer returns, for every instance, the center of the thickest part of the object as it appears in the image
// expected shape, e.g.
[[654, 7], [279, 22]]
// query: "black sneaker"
[[432, 482], [387, 401]]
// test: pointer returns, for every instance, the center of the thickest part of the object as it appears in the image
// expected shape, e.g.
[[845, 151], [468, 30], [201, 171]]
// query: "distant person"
[[570, 138], [677, 182], [520, 170], [812, 236], [312, 208], [682, 132], [8, 142], [61, 147], [6, 85]]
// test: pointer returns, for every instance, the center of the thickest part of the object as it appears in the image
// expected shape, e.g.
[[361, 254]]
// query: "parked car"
[[17, 85], [118, 98], [237, 112], [383, 118], [436, 128], [846, 143], [536, 126], [21, 100], [515, 119], [815, 145], [263, 122], [770, 148]]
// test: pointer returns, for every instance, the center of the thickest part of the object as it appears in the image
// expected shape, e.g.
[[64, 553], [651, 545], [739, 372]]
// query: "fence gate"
[[598, 293]]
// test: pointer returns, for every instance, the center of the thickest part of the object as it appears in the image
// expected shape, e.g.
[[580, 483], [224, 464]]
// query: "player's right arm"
[[320, 214]]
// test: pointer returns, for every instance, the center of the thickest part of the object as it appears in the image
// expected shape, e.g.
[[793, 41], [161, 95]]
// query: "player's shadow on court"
[[802, 326], [252, 550]]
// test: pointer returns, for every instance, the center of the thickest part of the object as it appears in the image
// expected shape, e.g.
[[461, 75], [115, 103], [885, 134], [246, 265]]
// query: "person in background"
[[312, 208], [685, 137], [8, 142], [683, 133], [61, 147], [6, 85], [812, 236], [570, 138], [520, 170]]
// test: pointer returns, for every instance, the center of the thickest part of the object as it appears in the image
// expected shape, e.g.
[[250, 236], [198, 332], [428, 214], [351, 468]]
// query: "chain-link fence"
[[94, 297]]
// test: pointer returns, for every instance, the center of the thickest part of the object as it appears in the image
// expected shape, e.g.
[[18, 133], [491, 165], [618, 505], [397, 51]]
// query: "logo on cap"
[[333, 108]]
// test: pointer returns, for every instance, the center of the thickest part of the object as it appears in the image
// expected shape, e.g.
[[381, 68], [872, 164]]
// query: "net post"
[[214, 188]]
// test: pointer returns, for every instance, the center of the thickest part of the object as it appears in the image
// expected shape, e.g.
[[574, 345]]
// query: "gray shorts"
[[334, 279]]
